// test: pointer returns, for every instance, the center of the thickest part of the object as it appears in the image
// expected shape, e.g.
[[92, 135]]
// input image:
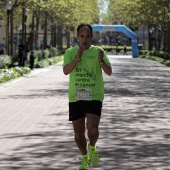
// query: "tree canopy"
[[68, 12], [138, 13]]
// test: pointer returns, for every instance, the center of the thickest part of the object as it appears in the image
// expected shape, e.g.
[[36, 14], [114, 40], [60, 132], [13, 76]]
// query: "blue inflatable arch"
[[125, 30]]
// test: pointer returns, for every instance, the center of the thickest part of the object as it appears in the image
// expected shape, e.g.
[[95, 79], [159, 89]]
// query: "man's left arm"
[[105, 66]]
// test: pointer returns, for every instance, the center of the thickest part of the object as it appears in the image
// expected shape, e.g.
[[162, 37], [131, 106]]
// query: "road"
[[35, 133]]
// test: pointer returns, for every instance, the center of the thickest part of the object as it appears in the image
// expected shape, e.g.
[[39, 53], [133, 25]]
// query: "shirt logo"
[[90, 72]]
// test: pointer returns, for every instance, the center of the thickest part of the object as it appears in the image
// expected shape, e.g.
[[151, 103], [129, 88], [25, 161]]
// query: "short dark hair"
[[85, 25]]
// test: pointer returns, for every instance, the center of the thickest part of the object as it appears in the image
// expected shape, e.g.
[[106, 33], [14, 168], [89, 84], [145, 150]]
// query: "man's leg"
[[93, 134], [79, 131], [93, 128]]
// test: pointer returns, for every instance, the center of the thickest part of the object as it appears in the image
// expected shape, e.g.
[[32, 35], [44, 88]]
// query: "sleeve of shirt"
[[105, 58], [67, 57]]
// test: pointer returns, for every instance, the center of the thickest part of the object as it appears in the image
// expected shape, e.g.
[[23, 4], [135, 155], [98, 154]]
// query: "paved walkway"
[[135, 127]]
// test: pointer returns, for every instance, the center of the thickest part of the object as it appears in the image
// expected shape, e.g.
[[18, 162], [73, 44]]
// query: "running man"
[[84, 64]]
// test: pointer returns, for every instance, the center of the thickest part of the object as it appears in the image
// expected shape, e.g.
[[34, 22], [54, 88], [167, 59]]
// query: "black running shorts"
[[80, 108]]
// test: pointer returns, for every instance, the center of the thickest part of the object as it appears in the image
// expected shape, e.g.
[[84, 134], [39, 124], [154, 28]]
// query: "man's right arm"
[[69, 67]]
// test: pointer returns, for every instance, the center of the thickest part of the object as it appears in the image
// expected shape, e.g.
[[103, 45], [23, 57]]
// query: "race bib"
[[83, 94]]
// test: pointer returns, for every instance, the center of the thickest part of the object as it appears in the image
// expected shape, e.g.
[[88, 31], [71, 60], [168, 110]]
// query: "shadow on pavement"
[[134, 129]]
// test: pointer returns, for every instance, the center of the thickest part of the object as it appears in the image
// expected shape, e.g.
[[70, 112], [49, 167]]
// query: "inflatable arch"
[[125, 30]]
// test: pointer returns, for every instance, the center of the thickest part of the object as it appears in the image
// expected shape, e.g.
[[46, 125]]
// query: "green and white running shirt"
[[86, 79]]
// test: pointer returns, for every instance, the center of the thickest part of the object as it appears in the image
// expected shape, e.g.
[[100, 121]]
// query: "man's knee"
[[93, 130]]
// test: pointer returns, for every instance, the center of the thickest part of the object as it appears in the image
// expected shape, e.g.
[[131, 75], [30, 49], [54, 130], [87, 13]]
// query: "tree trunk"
[[32, 32], [45, 32], [68, 37], [23, 25], [168, 38], [55, 36], [37, 27], [12, 32], [60, 42], [52, 34], [149, 40]]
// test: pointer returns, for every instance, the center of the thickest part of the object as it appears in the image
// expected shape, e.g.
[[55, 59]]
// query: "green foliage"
[[65, 14], [160, 54], [46, 53], [15, 72], [163, 61], [68, 13], [12, 73], [137, 12], [54, 52], [39, 54], [22, 70], [43, 63], [49, 61], [5, 61], [19, 70]]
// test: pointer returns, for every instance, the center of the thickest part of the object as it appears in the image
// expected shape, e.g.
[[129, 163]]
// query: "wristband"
[[101, 62]]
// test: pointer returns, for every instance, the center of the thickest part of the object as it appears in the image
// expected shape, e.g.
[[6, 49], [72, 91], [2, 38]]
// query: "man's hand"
[[69, 67], [106, 67], [100, 56], [80, 52]]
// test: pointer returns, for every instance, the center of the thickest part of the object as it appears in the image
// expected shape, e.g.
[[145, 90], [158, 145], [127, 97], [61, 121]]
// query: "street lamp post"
[[8, 8]]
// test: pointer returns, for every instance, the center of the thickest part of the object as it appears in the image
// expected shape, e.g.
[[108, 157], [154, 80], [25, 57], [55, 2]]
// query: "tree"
[[62, 14], [151, 13]]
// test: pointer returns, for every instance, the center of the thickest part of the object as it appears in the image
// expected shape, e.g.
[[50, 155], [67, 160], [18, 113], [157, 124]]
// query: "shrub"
[[46, 53], [43, 63], [22, 70], [39, 54], [49, 61], [11, 73], [54, 52], [5, 61]]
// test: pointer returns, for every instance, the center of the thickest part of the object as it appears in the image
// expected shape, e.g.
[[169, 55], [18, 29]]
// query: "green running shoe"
[[94, 157], [85, 162]]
